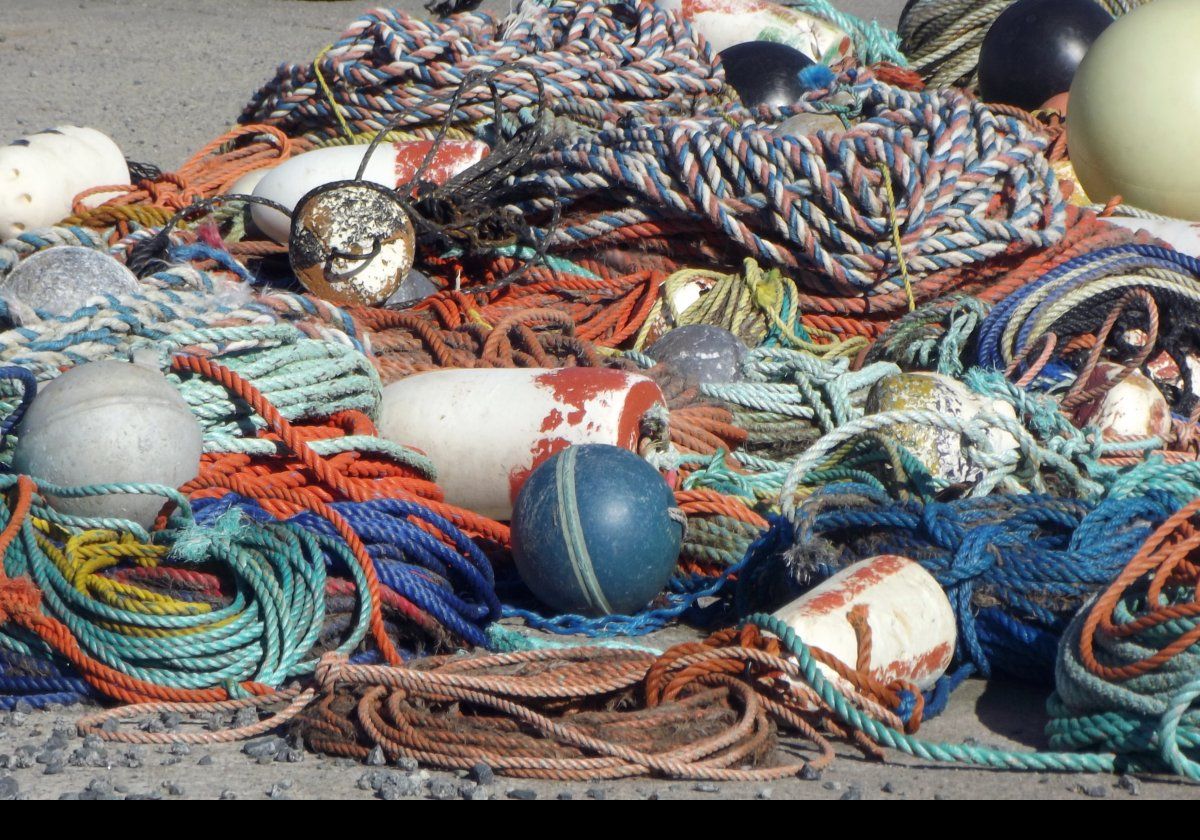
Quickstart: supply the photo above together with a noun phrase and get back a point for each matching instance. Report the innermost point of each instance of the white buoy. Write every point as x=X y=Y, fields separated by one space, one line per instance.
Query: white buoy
x=1133 y=408
x=940 y=449
x=391 y=165
x=912 y=624
x=41 y=174
x=487 y=429
x=1180 y=234
x=59 y=280
x=724 y=23
x=109 y=422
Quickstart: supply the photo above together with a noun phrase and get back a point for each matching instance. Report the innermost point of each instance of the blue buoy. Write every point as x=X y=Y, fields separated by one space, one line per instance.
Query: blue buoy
x=595 y=531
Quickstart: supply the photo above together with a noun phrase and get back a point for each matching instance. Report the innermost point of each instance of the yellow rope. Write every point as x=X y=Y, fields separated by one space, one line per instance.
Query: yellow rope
x=333 y=103
x=893 y=217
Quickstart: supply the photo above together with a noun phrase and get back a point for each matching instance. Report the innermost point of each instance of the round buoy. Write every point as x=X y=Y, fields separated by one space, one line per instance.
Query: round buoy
x=109 y=422
x=764 y=73
x=1034 y=48
x=595 y=531
x=1135 y=111
x=701 y=353
x=351 y=242
x=62 y=279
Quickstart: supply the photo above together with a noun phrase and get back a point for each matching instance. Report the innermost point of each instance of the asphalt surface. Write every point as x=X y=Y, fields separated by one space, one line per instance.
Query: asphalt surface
x=165 y=77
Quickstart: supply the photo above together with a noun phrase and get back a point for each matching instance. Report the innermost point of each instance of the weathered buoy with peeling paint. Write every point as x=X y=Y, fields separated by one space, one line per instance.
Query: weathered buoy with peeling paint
x=910 y=619
x=391 y=165
x=486 y=430
x=938 y=448
x=40 y=175
x=109 y=422
x=724 y=23
x=595 y=531
x=1133 y=408
x=1180 y=234
x=60 y=280
x=352 y=242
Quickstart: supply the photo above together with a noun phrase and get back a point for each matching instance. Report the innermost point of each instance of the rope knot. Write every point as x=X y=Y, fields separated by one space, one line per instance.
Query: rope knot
x=329 y=668
x=18 y=596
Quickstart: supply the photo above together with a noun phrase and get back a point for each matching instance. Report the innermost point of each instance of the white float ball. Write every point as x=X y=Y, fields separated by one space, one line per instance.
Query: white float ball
x=110 y=423
x=1134 y=116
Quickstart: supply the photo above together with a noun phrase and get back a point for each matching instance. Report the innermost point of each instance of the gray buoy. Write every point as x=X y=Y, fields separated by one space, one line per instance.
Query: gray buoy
x=62 y=279
x=701 y=352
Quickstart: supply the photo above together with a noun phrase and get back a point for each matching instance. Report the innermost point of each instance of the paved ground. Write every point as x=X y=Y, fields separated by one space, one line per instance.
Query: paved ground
x=165 y=76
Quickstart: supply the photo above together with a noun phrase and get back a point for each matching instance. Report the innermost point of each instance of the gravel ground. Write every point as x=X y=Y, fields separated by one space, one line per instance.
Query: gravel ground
x=163 y=78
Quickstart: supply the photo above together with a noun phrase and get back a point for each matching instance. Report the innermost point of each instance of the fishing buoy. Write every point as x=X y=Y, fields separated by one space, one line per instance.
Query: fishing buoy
x=910 y=619
x=724 y=23
x=595 y=531
x=40 y=175
x=1135 y=111
x=1034 y=48
x=109 y=422
x=352 y=243
x=59 y=280
x=810 y=122
x=701 y=353
x=938 y=448
x=1180 y=234
x=486 y=430
x=1133 y=408
x=764 y=73
x=391 y=165
x=415 y=288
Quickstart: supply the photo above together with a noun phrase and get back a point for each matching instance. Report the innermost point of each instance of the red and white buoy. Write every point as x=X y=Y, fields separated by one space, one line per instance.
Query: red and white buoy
x=487 y=429
x=391 y=165
x=724 y=23
x=1133 y=408
x=911 y=621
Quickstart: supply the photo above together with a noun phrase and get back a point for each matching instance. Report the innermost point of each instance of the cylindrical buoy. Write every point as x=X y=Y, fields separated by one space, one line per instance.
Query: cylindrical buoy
x=391 y=165
x=486 y=430
x=910 y=619
x=40 y=175
x=725 y=23
x=109 y=422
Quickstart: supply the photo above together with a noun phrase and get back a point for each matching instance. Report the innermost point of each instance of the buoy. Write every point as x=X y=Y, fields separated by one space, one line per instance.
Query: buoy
x=59 y=280
x=40 y=175
x=109 y=422
x=595 y=531
x=414 y=288
x=1033 y=49
x=724 y=23
x=764 y=73
x=910 y=619
x=391 y=165
x=1135 y=111
x=352 y=242
x=701 y=353
x=486 y=430
x=1133 y=408
x=938 y=448
x=1180 y=234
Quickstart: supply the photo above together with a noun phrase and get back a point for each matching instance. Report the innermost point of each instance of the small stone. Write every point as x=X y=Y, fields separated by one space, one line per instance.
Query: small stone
x=54 y=768
x=9 y=789
x=523 y=794
x=1094 y=791
x=1130 y=784
x=264 y=747
x=23 y=707
x=764 y=793
x=245 y=717
x=852 y=793
x=476 y=793
x=482 y=774
x=888 y=787
x=834 y=786
x=443 y=791
x=706 y=787
x=810 y=774
x=181 y=749
x=564 y=796
x=376 y=757
x=597 y=794
x=399 y=787
x=279 y=790
x=227 y=795
x=408 y=765
x=174 y=788
x=205 y=761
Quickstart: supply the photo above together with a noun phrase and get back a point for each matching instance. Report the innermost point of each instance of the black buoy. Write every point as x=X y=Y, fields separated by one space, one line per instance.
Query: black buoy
x=1033 y=49
x=764 y=73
